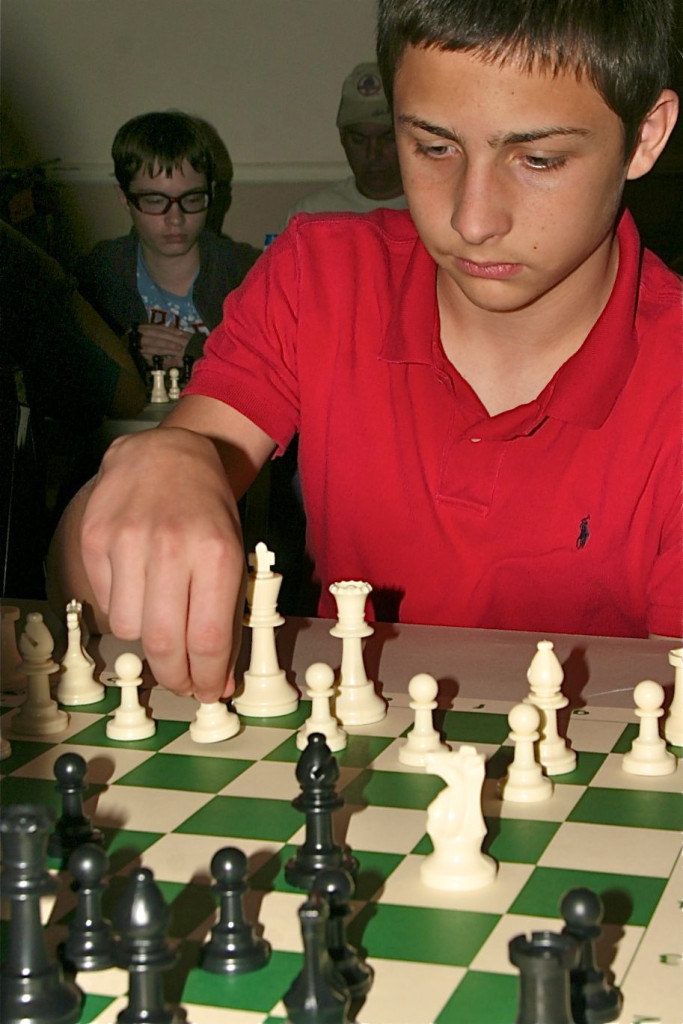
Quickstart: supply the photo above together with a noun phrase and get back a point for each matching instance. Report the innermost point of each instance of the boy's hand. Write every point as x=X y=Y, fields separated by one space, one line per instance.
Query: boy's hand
x=158 y=340
x=162 y=549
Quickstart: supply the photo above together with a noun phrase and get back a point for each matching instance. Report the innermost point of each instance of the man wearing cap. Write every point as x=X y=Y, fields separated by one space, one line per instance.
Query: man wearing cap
x=366 y=132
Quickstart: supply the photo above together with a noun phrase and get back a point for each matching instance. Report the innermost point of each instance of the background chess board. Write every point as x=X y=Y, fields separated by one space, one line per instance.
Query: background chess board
x=439 y=958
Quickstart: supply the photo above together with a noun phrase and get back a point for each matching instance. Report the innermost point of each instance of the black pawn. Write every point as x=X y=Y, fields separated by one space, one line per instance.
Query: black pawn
x=90 y=943
x=316 y=995
x=234 y=947
x=593 y=1000
x=336 y=885
x=317 y=772
x=73 y=828
x=33 y=989
x=544 y=963
x=141 y=919
x=157 y=362
x=188 y=363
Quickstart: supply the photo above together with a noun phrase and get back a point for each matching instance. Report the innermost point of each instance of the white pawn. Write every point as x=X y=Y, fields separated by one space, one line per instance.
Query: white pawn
x=357 y=701
x=456 y=826
x=545 y=677
x=648 y=754
x=159 y=393
x=213 y=723
x=174 y=386
x=39 y=714
x=320 y=682
x=130 y=721
x=525 y=781
x=423 y=738
x=673 y=723
x=77 y=684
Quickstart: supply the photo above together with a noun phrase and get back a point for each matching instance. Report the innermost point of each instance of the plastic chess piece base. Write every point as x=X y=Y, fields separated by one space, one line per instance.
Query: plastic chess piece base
x=521 y=787
x=451 y=875
x=135 y=729
x=360 y=705
x=558 y=761
x=266 y=697
x=638 y=761
x=48 y=998
x=91 y=693
x=41 y=720
x=214 y=723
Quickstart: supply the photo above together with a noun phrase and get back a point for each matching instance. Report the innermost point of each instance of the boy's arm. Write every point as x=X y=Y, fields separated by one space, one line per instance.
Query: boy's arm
x=154 y=545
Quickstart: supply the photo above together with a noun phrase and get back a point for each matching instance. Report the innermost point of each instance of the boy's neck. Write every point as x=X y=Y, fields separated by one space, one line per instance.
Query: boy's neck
x=174 y=274
x=509 y=357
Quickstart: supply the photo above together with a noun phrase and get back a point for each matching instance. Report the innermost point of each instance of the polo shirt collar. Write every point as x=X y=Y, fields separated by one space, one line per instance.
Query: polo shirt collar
x=584 y=389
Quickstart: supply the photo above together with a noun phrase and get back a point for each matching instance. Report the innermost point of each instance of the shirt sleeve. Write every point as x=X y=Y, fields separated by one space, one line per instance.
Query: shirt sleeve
x=665 y=596
x=250 y=359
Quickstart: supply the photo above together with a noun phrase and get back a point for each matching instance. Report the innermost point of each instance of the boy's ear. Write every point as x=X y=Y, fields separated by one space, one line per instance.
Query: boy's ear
x=654 y=134
x=122 y=198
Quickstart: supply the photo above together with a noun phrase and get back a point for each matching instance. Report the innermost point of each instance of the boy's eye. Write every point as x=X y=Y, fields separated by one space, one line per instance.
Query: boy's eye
x=152 y=202
x=545 y=163
x=436 y=151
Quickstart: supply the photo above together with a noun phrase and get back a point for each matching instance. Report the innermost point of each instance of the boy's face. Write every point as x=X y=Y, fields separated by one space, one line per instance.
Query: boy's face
x=173 y=233
x=513 y=180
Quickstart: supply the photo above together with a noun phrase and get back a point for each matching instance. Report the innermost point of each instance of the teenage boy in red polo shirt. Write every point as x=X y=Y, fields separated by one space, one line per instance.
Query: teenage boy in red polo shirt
x=487 y=395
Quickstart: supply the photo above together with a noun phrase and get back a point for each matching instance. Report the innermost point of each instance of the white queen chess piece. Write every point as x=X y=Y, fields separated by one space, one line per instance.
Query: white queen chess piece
x=77 y=684
x=357 y=702
x=267 y=693
x=648 y=754
x=423 y=738
x=39 y=714
x=130 y=722
x=545 y=677
x=455 y=824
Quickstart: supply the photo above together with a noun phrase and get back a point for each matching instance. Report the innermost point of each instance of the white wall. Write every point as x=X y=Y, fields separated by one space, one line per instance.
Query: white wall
x=266 y=73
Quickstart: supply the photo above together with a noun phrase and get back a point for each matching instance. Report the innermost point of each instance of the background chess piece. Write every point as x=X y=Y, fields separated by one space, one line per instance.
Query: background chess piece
x=39 y=714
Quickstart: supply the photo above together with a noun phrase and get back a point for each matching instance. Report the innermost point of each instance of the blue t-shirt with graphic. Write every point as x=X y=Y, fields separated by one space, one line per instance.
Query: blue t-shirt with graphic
x=166 y=308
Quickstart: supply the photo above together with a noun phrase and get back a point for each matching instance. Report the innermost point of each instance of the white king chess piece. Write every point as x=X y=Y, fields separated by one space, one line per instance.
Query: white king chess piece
x=267 y=693
x=77 y=684
x=357 y=701
x=455 y=824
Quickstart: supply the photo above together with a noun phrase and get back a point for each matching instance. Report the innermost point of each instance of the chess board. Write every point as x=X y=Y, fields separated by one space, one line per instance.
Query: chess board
x=438 y=958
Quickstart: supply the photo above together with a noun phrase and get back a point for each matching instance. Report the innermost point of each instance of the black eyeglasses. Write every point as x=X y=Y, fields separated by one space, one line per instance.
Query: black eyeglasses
x=158 y=203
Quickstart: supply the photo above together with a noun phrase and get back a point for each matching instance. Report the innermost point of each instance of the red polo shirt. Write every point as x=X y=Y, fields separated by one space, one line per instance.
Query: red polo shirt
x=561 y=515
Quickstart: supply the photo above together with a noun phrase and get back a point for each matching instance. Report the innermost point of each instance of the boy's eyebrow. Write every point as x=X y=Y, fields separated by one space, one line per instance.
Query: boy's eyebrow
x=510 y=139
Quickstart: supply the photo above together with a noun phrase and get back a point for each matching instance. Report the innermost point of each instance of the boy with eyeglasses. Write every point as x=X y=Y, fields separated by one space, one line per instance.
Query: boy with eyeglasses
x=167 y=278
x=487 y=390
